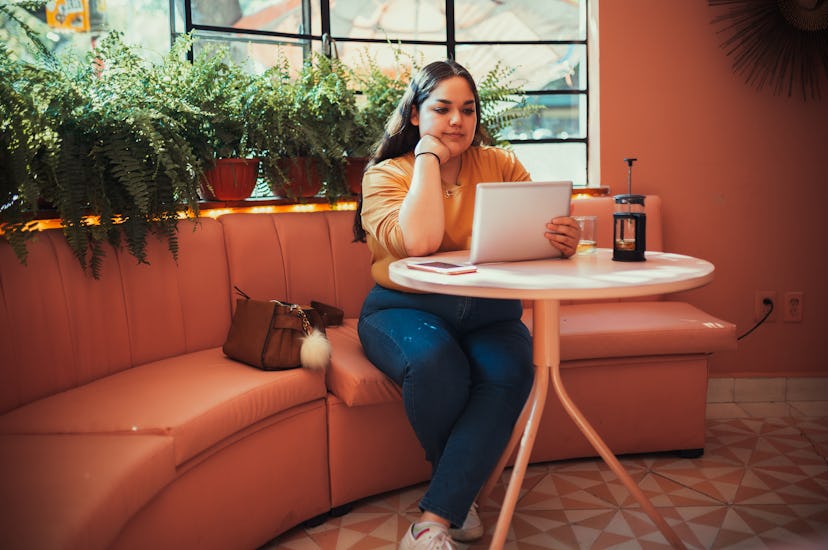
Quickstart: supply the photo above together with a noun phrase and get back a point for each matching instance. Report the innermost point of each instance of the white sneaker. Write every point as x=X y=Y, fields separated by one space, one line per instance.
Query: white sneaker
x=430 y=536
x=472 y=528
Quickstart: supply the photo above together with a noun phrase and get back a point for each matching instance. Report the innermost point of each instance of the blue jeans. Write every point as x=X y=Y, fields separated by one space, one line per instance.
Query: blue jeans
x=465 y=369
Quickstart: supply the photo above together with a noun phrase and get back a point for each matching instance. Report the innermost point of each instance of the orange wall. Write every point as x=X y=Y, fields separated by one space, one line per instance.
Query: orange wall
x=743 y=174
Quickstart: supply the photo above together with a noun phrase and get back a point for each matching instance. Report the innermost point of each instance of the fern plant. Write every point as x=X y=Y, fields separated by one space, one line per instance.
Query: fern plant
x=304 y=116
x=326 y=104
x=380 y=91
x=28 y=140
x=502 y=101
x=216 y=91
x=96 y=140
x=274 y=131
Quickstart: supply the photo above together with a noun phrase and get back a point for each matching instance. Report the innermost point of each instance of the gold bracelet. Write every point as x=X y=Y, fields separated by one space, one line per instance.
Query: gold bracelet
x=429 y=153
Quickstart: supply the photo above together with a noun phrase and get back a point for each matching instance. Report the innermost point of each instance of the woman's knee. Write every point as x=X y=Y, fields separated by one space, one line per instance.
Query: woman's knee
x=515 y=379
x=503 y=357
x=441 y=366
x=413 y=346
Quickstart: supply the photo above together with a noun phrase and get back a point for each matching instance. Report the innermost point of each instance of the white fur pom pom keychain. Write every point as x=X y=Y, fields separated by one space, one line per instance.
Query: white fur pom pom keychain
x=315 y=352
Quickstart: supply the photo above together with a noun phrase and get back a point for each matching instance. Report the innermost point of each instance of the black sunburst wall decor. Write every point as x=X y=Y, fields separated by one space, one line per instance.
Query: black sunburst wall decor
x=782 y=44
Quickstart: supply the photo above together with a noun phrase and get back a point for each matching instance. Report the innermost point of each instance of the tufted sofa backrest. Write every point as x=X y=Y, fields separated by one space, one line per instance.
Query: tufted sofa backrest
x=298 y=257
x=61 y=328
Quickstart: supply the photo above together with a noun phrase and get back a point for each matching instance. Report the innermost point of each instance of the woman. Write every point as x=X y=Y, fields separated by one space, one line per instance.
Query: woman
x=464 y=364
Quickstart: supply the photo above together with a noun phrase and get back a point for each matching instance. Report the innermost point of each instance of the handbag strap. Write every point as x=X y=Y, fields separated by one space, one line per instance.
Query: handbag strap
x=299 y=312
x=293 y=308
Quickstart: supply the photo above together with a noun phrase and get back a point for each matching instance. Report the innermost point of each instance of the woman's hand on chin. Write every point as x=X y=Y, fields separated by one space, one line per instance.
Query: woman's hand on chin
x=432 y=144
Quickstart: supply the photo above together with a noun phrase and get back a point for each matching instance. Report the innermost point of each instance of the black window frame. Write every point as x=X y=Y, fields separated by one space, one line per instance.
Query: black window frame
x=324 y=39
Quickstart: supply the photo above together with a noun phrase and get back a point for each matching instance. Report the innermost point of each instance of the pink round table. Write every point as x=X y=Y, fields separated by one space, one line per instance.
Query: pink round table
x=546 y=283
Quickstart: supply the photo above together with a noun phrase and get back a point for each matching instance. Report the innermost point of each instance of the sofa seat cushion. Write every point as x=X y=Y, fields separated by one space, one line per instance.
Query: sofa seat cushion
x=198 y=398
x=77 y=491
x=629 y=329
x=351 y=376
x=588 y=331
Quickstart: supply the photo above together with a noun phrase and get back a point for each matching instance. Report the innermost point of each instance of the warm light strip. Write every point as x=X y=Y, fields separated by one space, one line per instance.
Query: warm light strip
x=41 y=225
x=588 y=192
x=274 y=208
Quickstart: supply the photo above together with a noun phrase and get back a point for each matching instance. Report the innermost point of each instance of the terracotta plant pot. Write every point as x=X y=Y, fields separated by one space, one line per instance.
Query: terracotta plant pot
x=230 y=179
x=303 y=178
x=354 y=168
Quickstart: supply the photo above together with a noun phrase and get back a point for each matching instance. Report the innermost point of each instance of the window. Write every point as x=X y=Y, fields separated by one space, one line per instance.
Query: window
x=545 y=42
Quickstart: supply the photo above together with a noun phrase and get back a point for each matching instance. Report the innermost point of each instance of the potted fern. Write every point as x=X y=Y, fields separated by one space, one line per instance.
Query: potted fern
x=29 y=147
x=301 y=126
x=274 y=130
x=211 y=94
x=95 y=140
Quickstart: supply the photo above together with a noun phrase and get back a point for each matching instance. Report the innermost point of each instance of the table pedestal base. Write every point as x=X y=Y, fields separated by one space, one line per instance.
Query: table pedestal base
x=546 y=352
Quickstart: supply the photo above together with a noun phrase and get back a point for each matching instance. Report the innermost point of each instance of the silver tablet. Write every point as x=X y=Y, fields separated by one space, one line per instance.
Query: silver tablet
x=510 y=219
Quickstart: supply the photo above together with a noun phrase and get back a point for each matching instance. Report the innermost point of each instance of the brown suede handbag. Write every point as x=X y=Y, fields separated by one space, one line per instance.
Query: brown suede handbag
x=273 y=335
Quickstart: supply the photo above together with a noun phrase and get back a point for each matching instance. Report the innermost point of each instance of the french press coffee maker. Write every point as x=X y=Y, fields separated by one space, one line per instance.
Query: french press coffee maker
x=629 y=223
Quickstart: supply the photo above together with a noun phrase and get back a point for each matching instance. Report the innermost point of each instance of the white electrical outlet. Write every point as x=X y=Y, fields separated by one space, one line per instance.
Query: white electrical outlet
x=792 y=307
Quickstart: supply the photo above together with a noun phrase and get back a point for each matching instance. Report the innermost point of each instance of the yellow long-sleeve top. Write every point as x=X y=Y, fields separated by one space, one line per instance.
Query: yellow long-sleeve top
x=386 y=184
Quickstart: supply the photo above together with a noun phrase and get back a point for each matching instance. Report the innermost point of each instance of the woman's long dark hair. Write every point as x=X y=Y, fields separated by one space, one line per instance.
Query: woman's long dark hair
x=401 y=136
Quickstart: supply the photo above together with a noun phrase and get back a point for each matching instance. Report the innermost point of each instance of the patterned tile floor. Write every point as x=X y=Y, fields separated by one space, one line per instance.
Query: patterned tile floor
x=762 y=483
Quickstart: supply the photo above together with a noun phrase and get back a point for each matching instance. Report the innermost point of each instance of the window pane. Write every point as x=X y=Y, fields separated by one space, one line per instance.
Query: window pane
x=392 y=59
x=178 y=19
x=145 y=24
x=554 y=161
x=263 y=15
x=219 y=13
x=557 y=117
x=519 y=20
x=537 y=67
x=389 y=20
x=253 y=54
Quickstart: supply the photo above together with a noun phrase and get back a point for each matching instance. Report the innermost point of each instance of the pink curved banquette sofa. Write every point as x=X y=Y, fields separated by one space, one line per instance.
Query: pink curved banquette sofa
x=122 y=424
